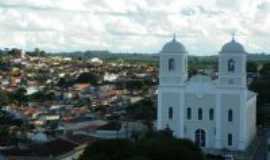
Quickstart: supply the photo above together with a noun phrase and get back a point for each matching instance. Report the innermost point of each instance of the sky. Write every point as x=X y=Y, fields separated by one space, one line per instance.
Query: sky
x=203 y=26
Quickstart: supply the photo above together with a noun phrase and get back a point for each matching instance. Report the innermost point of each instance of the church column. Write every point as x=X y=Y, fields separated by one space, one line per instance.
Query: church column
x=243 y=122
x=218 y=138
x=159 y=113
x=182 y=115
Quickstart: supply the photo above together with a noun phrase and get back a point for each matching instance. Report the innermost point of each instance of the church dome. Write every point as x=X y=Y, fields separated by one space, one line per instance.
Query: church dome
x=173 y=47
x=233 y=47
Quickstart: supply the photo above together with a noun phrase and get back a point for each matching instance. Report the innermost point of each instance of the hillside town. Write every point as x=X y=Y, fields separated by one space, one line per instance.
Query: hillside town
x=53 y=106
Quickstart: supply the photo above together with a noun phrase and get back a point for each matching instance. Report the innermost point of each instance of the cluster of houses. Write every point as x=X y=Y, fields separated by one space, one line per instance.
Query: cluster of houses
x=65 y=111
x=66 y=104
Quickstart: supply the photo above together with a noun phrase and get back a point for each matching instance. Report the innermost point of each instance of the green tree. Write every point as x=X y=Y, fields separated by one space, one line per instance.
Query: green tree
x=109 y=150
x=88 y=77
x=143 y=110
x=41 y=96
x=19 y=96
x=161 y=147
x=153 y=148
x=4 y=98
x=252 y=67
x=265 y=71
x=262 y=88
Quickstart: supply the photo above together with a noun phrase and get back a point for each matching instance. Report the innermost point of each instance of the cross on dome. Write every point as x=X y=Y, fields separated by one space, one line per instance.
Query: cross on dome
x=174 y=37
x=233 y=36
x=233 y=46
x=173 y=46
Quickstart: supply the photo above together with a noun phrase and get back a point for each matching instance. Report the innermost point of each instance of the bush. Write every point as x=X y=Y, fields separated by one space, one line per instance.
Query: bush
x=154 y=148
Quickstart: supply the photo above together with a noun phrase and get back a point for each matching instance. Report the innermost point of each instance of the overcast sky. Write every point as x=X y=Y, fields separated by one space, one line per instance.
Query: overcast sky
x=203 y=26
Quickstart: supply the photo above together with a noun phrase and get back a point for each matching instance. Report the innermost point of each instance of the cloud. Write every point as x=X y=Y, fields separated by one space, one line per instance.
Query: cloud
x=135 y=26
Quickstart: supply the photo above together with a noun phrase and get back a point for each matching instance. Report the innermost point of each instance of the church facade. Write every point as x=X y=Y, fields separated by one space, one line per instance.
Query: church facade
x=214 y=113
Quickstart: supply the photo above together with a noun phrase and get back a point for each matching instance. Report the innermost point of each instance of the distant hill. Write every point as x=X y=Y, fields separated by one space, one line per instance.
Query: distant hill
x=259 y=57
x=108 y=55
x=148 y=57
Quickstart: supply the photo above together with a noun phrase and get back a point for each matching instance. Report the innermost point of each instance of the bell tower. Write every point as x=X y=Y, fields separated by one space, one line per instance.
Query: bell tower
x=172 y=78
x=232 y=65
x=173 y=63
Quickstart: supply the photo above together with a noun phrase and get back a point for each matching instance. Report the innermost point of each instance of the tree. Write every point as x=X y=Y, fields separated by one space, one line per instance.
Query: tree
x=87 y=77
x=161 y=147
x=41 y=96
x=19 y=96
x=4 y=98
x=37 y=53
x=157 y=147
x=265 y=71
x=143 y=110
x=64 y=82
x=109 y=150
x=252 y=67
x=262 y=88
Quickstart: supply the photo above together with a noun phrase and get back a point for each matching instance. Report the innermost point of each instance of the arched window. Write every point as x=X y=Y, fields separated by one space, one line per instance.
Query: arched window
x=231 y=65
x=170 y=113
x=171 y=64
x=200 y=114
x=189 y=113
x=230 y=115
x=229 y=139
x=211 y=114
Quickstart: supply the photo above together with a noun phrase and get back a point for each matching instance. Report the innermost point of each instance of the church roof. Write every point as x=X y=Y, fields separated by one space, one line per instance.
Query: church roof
x=233 y=47
x=173 y=47
x=199 y=78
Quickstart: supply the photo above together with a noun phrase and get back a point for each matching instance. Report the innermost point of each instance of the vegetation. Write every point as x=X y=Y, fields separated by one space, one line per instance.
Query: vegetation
x=265 y=71
x=157 y=147
x=252 y=67
x=87 y=77
x=143 y=110
x=41 y=96
x=19 y=96
x=7 y=119
x=262 y=87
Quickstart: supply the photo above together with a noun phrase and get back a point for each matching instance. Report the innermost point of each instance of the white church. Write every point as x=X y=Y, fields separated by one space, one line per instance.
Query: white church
x=214 y=113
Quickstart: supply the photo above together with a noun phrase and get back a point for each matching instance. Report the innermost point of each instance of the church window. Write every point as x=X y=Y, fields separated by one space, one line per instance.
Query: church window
x=200 y=137
x=231 y=65
x=200 y=114
x=230 y=115
x=171 y=64
x=189 y=113
x=170 y=113
x=211 y=114
x=229 y=139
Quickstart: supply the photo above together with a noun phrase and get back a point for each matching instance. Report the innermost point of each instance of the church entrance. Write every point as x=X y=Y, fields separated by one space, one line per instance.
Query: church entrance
x=200 y=137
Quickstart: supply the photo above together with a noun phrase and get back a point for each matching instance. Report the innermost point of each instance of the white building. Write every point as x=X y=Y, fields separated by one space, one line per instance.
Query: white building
x=215 y=114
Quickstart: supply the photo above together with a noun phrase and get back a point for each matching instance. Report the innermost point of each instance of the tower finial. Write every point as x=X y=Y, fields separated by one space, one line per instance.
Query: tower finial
x=174 y=37
x=233 y=36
